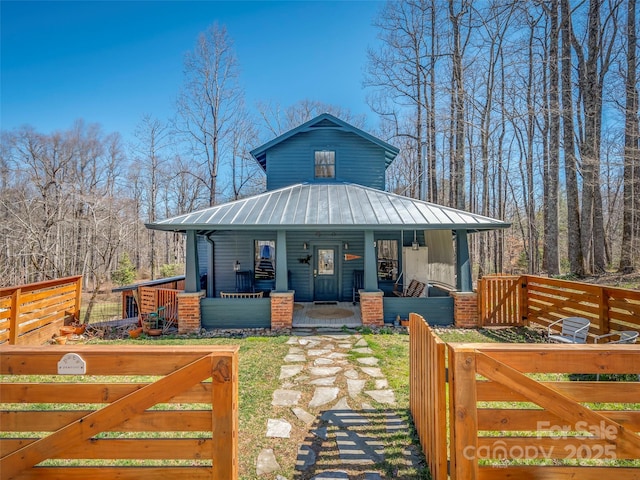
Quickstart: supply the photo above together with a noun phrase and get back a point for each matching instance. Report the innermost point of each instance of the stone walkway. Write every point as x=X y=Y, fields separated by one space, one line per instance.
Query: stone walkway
x=329 y=394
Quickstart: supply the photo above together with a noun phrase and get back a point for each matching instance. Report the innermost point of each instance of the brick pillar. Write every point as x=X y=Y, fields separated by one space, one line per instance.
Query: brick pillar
x=371 y=308
x=281 y=310
x=465 y=309
x=189 y=312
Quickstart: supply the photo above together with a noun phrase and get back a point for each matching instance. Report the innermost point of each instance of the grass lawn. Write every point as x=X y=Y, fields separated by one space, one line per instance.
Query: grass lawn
x=260 y=362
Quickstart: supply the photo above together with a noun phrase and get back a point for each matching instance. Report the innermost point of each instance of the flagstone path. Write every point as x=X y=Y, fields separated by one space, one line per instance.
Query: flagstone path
x=341 y=429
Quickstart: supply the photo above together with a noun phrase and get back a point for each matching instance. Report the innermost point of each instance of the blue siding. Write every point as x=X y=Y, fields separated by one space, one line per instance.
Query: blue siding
x=357 y=160
x=235 y=313
x=436 y=311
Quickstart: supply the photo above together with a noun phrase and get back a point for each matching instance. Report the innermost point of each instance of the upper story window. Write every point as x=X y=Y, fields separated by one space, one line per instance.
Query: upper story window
x=325 y=164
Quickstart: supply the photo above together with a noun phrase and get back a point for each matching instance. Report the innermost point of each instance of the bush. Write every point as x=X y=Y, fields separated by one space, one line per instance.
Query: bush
x=125 y=273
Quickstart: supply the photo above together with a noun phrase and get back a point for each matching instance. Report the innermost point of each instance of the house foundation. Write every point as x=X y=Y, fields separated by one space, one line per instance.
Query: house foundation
x=465 y=309
x=189 y=320
x=371 y=308
x=282 y=310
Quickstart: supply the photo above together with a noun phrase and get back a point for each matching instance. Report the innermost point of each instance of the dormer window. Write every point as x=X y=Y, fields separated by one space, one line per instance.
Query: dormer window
x=325 y=164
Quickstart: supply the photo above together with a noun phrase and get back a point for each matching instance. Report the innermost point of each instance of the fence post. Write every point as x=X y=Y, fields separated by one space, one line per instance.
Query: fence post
x=463 y=413
x=13 y=318
x=224 y=392
x=482 y=310
x=603 y=311
x=523 y=300
x=76 y=313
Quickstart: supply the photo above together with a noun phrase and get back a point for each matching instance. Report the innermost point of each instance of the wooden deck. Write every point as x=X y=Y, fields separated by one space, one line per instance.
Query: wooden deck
x=318 y=315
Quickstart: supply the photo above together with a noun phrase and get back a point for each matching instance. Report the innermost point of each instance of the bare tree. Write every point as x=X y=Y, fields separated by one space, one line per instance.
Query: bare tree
x=153 y=138
x=631 y=195
x=207 y=106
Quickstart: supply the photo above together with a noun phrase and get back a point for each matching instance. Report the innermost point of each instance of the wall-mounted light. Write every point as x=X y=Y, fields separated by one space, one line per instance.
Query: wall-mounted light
x=305 y=246
x=346 y=246
x=236 y=266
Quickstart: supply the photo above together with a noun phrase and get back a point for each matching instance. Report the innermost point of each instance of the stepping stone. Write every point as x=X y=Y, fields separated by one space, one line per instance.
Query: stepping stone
x=382 y=384
x=411 y=458
x=367 y=408
x=339 y=475
x=292 y=341
x=316 y=352
x=321 y=362
x=295 y=350
x=286 y=398
x=362 y=350
x=362 y=343
x=278 y=428
x=306 y=458
x=288 y=371
x=266 y=462
x=346 y=346
x=371 y=361
x=295 y=357
x=372 y=476
x=394 y=423
x=323 y=395
x=324 y=381
x=373 y=372
x=382 y=396
x=321 y=433
x=338 y=355
x=337 y=336
x=324 y=371
x=351 y=374
x=354 y=387
x=342 y=415
x=303 y=415
x=355 y=449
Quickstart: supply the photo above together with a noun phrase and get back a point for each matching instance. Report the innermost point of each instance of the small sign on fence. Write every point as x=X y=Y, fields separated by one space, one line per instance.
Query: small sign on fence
x=72 y=364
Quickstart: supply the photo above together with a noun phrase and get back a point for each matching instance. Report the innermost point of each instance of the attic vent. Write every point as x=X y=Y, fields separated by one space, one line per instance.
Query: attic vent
x=326 y=123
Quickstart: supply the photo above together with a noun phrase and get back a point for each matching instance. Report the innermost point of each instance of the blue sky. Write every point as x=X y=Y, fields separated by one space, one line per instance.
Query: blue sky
x=111 y=62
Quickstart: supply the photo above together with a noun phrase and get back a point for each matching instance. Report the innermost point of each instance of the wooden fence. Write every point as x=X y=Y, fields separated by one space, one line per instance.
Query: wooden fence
x=130 y=293
x=506 y=423
x=519 y=300
x=75 y=412
x=519 y=410
x=151 y=298
x=31 y=314
x=427 y=400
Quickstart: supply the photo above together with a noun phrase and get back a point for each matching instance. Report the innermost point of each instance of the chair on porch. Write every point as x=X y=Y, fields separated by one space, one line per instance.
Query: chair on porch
x=244 y=281
x=358 y=284
x=574 y=330
x=624 y=336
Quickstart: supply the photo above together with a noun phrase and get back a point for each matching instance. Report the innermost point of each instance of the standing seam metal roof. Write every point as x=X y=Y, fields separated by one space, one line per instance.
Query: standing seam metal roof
x=341 y=206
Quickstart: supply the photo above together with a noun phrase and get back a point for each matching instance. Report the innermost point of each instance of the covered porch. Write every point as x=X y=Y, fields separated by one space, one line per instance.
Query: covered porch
x=326 y=243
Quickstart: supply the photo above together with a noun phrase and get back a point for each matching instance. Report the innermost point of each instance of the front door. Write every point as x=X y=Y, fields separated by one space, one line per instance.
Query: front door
x=325 y=274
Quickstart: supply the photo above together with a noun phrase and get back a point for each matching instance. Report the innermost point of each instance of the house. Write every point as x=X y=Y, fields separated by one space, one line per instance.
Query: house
x=324 y=220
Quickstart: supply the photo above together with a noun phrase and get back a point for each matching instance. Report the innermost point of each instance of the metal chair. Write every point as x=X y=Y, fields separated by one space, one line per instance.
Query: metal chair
x=574 y=330
x=624 y=336
x=244 y=281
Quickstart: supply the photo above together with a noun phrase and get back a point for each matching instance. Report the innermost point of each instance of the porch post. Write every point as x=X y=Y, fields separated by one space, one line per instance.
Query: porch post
x=370 y=267
x=281 y=262
x=463 y=264
x=192 y=267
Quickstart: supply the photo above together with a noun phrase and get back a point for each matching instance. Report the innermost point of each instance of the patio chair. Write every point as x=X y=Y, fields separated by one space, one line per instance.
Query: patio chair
x=574 y=330
x=358 y=284
x=244 y=281
x=624 y=336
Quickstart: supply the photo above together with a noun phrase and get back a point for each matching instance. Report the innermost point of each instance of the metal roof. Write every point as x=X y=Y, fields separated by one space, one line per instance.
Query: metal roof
x=338 y=206
x=323 y=121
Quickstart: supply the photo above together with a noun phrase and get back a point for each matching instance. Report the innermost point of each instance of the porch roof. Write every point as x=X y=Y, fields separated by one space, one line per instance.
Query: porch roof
x=338 y=206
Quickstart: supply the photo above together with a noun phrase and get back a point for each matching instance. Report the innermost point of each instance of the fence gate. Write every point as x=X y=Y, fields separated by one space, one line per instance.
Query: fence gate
x=500 y=300
x=126 y=412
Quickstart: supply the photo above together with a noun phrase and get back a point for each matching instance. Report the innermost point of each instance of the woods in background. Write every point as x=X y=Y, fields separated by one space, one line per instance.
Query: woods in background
x=525 y=111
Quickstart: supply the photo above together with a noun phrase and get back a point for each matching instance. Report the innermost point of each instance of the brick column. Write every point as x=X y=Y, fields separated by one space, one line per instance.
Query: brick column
x=371 y=308
x=189 y=312
x=281 y=310
x=465 y=309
